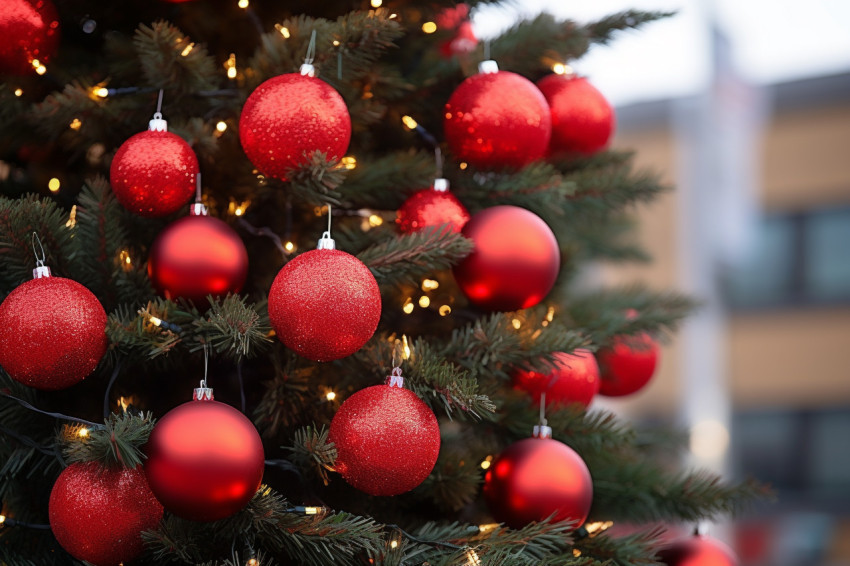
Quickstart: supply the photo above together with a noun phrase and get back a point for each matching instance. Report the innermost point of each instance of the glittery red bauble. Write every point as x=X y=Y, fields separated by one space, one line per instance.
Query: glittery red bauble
x=575 y=379
x=98 y=514
x=582 y=120
x=290 y=116
x=154 y=173
x=197 y=256
x=430 y=207
x=534 y=478
x=515 y=261
x=324 y=305
x=205 y=461
x=387 y=440
x=627 y=365
x=497 y=120
x=52 y=333
x=30 y=30
x=698 y=550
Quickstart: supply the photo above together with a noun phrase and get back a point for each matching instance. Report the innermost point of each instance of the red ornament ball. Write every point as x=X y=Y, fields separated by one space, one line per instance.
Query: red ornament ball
x=582 y=119
x=197 y=256
x=52 y=333
x=205 y=460
x=574 y=380
x=98 y=514
x=534 y=478
x=30 y=31
x=463 y=42
x=154 y=173
x=290 y=116
x=324 y=305
x=515 y=261
x=430 y=207
x=497 y=120
x=387 y=440
x=627 y=364
x=698 y=550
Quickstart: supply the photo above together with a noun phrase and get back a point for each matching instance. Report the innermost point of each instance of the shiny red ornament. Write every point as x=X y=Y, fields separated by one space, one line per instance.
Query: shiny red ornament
x=497 y=119
x=52 y=333
x=464 y=41
x=574 y=380
x=154 y=173
x=387 y=440
x=30 y=31
x=324 y=304
x=289 y=117
x=98 y=514
x=582 y=119
x=431 y=207
x=197 y=256
x=205 y=460
x=534 y=478
x=698 y=550
x=515 y=261
x=627 y=364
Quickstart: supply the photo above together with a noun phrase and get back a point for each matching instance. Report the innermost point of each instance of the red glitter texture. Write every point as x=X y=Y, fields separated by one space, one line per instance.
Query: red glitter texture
x=627 y=365
x=582 y=119
x=205 y=461
x=289 y=117
x=497 y=120
x=52 y=333
x=198 y=256
x=698 y=550
x=30 y=30
x=427 y=208
x=98 y=514
x=154 y=173
x=324 y=305
x=387 y=440
x=515 y=262
x=575 y=379
x=534 y=478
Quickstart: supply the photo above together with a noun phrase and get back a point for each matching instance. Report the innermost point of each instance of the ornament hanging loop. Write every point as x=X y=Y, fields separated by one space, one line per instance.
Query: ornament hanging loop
x=541 y=430
x=395 y=379
x=307 y=69
x=158 y=124
x=204 y=393
x=41 y=271
x=326 y=242
x=198 y=208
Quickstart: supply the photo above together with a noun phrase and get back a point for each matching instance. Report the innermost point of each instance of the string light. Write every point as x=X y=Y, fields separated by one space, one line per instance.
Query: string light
x=243 y=4
x=488 y=527
x=576 y=552
x=377 y=3
x=429 y=27
x=472 y=558
x=336 y=43
x=405 y=348
x=349 y=162
x=53 y=185
x=2 y=520
x=230 y=65
x=375 y=220
x=155 y=320
x=424 y=301
x=284 y=31
x=83 y=432
x=312 y=510
x=517 y=323
x=463 y=165
x=597 y=527
x=72 y=218
x=561 y=69
x=75 y=124
x=125 y=260
x=39 y=68
x=221 y=126
x=101 y=91
x=445 y=310
x=485 y=464
x=429 y=284
x=252 y=562
x=124 y=403
x=19 y=91
x=408 y=307
x=550 y=315
x=409 y=122
x=188 y=49
x=394 y=544
x=330 y=396
x=289 y=247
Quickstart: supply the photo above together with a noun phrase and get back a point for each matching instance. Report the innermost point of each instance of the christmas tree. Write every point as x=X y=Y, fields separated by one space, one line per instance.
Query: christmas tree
x=375 y=281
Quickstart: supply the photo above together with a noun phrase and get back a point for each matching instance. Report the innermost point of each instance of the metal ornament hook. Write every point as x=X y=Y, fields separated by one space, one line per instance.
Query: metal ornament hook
x=326 y=242
x=204 y=393
x=395 y=379
x=307 y=69
x=41 y=271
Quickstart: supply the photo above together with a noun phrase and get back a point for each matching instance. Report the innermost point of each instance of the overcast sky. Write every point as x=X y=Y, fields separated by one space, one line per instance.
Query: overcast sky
x=773 y=40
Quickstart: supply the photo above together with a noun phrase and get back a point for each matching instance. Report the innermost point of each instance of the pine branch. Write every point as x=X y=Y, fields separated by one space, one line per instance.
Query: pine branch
x=317 y=181
x=311 y=449
x=604 y=29
x=160 y=50
x=639 y=548
x=402 y=171
x=411 y=256
x=119 y=442
x=454 y=483
x=134 y=333
x=285 y=399
x=234 y=328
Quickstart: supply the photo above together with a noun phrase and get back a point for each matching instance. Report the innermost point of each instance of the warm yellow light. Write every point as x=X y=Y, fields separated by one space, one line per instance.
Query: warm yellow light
x=284 y=31
x=488 y=527
x=188 y=49
x=598 y=527
x=336 y=43
x=243 y=4
x=53 y=184
x=377 y=3
x=486 y=462
x=230 y=65
x=349 y=162
x=424 y=301
x=429 y=27
x=517 y=323
x=252 y=562
x=393 y=16
x=409 y=122
x=221 y=126
x=375 y=220
x=289 y=247
x=156 y=321
x=472 y=558
x=408 y=306
x=231 y=73
x=75 y=124
x=405 y=348
x=36 y=63
x=2 y=519
x=72 y=218
x=429 y=284
x=550 y=314
x=561 y=69
x=445 y=310
x=331 y=396
x=18 y=92
x=238 y=211
x=463 y=165
x=102 y=92
x=394 y=544
x=123 y=403
x=83 y=432
x=312 y=510
x=124 y=258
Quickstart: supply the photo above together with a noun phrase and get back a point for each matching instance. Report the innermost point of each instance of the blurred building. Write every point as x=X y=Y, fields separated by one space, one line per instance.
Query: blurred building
x=775 y=268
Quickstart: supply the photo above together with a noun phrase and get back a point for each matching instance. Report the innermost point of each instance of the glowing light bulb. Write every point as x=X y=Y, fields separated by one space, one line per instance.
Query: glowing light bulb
x=486 y=462
x=312 y=510
x=445 y=310
x=424 y=301
x=156 y=321
x=53 y=185
x=102 y=92
x=409 y=122
x=284 y=31
x=349 y=162
x=230 y=66
x=72 y=218
x=463 y=165
x=75 y=124
x=289 y=247
x=408 y=306
x=252 y=562
x=375 y=220
x=330 y=396
x=18 y=92
x=377 y=3
x=242 y=4
x=429 y=27
x=394 y=544
x=221 y=126
x=517 y=323
x=83 y=432
x=429 y=284
x=188 y=49
x=2 y=519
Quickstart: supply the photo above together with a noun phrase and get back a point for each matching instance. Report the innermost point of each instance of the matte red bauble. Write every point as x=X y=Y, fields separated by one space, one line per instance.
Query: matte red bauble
x=30 y=31
x=431 y=207
x=515 y=261
x=574 y=380
x=496 y=120
x=627 y=365
x=582 y=119
x=535 y=478
x=154 y=173
x=324 y=304
x=197 y=256
x=289 y=117
x=698 y=550
x=52 y=333
x=387 y=440
x=205 y=459
x=98 y=514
